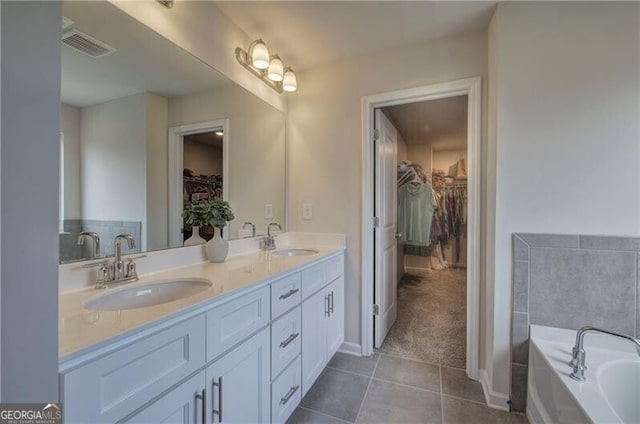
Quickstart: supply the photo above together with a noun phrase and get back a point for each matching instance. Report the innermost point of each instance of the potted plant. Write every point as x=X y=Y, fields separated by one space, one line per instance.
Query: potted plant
x=197 y=215
x=217 y=213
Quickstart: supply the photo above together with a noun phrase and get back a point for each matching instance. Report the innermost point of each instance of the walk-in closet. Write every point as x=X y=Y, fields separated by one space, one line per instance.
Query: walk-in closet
x=432 y=208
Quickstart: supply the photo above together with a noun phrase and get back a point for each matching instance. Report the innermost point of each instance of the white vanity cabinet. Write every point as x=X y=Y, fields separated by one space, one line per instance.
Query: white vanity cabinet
x=183 y=405
x=322 y=329
x=248 y=359
x=238 y=383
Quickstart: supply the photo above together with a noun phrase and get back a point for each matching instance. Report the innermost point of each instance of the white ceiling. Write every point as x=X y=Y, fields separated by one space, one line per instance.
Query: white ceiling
x=310 y=33
x=143 y=62
x=210 y=138
x=441 y=123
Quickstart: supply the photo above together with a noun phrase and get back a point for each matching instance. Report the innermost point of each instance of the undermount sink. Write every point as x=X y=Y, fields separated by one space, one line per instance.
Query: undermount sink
x=149 y=294
x=294 y=252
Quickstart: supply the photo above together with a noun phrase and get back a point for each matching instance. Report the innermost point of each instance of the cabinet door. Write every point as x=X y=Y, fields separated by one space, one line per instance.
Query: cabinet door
x=182 y=405
x=314 y=338
x=238 y=388
x=335 y=321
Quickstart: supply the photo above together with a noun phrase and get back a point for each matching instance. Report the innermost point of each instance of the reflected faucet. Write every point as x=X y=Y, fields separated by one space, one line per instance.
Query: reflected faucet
x=579 y=355
x=253 y=228
x=95 y=238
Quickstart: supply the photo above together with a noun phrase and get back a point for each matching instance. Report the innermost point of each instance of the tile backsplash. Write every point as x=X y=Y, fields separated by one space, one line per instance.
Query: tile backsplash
x=569 y=281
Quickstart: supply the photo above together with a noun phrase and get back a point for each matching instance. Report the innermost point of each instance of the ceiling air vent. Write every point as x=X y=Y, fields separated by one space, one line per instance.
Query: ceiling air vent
x=86 y=44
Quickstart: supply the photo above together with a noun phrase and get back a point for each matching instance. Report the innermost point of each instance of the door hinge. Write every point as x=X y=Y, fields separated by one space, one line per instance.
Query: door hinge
x=376 y=135
x=376 y=222
x=376 y=310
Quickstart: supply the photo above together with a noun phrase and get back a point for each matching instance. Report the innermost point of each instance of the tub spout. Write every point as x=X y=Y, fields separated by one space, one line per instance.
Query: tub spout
x=579 y=354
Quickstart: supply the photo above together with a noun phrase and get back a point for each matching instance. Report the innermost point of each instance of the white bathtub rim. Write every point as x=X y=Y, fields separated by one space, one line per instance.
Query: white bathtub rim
x=555 y=344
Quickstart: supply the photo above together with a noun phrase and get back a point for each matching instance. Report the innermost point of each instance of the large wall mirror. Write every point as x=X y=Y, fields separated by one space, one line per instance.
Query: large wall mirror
x=147 y=128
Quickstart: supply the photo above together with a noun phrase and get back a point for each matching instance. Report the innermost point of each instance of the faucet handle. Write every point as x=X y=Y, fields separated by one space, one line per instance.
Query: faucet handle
x=131 y=269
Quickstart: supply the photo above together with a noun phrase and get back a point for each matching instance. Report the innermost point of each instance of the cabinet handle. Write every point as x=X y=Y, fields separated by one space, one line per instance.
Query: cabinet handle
x=331 y=302
x=203 y=397
x=289 y=340
x=289 y=293
x=289 y=394
x=218 y=412
x=326 y=305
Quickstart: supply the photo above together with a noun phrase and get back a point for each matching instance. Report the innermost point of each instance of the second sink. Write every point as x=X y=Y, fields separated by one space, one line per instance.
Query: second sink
x=294 y=252
x=150 y=294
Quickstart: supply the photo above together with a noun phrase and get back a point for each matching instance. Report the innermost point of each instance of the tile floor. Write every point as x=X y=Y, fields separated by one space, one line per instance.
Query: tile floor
x=389 y=389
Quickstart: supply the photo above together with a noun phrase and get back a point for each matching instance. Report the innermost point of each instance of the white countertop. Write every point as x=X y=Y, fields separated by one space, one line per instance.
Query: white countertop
x=82 y=330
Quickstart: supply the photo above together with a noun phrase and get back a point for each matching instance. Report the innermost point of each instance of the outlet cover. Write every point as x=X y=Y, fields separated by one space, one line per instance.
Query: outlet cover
x=268 y=211
x=307 y=211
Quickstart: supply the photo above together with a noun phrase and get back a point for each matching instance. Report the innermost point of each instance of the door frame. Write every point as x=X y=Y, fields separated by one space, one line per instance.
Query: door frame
x=176 y=165
x=472 y=88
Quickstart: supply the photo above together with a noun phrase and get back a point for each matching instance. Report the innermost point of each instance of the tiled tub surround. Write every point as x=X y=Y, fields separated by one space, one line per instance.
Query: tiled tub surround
x=82 y=330
x=568 y=281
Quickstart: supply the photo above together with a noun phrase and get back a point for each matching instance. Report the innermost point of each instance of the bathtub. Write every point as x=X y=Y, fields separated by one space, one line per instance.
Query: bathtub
x=611 y=393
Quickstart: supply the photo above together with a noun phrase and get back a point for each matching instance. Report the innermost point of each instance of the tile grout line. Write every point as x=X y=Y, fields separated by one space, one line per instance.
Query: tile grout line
x=419 y=360
x=366 y=392
x=323 y=414
x=422 y=389
x=350 y=372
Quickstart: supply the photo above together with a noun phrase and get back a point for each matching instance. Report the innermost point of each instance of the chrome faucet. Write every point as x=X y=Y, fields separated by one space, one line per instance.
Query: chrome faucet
x=116 y=272
x=579 y=354
x=95 y=238
x=253 y=228
x=268 y=242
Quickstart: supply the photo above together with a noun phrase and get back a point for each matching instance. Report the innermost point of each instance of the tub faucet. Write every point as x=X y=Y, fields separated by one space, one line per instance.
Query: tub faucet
x=579 y=354
x=94 y=237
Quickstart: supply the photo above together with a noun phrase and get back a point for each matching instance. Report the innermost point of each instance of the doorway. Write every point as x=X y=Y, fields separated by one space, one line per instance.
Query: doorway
x=381 y=270
x=198 y=170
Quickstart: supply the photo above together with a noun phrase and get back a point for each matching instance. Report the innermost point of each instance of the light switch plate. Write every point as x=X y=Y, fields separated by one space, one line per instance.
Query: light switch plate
x=307 y=211
x=268 y=211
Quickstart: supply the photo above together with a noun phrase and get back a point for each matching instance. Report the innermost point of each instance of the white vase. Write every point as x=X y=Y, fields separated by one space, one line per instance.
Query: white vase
x=217 y=247
x=195 y=238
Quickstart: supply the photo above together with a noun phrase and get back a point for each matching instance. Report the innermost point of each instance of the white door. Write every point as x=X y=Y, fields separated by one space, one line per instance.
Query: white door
x=385 y=241
x=239 y=383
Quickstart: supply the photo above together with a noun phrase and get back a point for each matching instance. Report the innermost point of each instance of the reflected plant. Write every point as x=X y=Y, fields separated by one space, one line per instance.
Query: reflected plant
x=215 y=212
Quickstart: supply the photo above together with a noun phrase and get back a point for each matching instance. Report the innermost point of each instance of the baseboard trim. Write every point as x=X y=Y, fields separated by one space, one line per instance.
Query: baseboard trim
x=351 y=348
x=494 y=400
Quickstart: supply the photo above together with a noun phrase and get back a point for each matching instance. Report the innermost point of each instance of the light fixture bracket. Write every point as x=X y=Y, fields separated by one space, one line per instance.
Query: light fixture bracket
x=166 y=3
x=243 y=57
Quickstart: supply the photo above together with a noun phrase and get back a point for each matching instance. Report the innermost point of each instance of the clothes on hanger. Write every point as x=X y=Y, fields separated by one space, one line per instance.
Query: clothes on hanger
x=416 y=206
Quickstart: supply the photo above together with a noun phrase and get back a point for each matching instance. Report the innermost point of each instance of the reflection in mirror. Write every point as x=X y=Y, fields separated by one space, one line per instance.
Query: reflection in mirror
x=146 y=128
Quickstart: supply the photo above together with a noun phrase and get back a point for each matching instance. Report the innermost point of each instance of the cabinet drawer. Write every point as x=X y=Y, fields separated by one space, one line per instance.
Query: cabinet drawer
x=285 y=294
x=334 y=267
x=112 y=387
x=286 y=336
x=313 y=279
x=286 y=393
x=236 y=320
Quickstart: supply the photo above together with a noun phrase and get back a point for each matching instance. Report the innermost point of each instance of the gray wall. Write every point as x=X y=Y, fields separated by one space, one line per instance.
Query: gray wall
x=29 y=174
x=569 y=281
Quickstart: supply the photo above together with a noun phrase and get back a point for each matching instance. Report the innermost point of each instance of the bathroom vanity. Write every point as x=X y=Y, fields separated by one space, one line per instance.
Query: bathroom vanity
x=245 y=349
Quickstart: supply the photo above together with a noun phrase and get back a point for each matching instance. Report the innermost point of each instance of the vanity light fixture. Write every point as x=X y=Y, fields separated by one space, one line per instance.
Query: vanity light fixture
x=219 y=133
x=269 y=68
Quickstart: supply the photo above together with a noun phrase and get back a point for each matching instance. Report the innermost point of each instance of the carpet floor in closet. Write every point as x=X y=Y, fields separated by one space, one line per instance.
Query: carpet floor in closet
x=432 y=314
